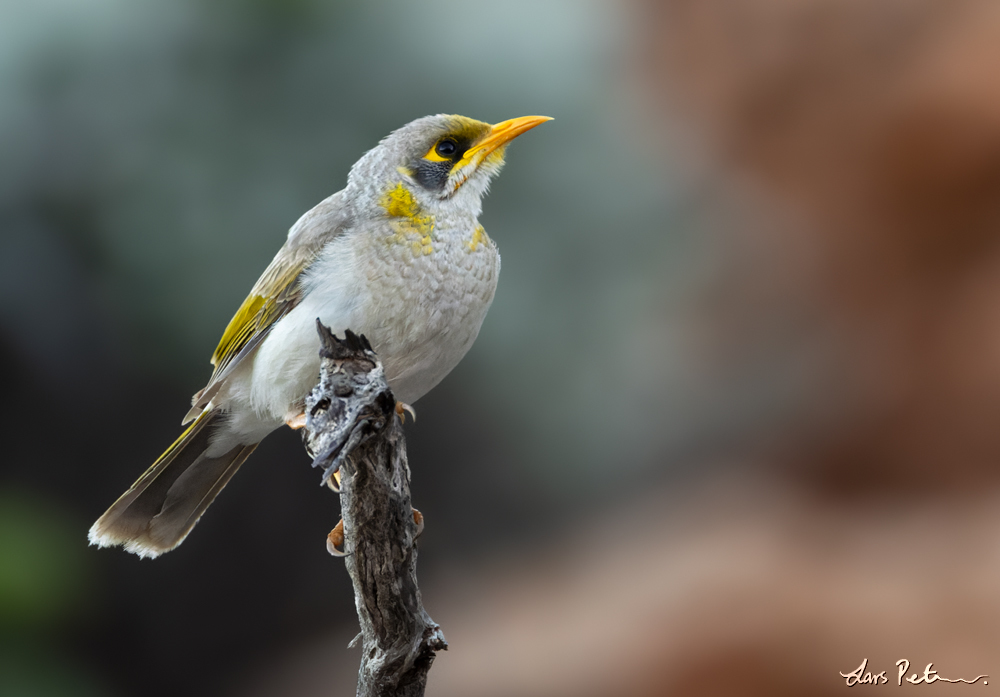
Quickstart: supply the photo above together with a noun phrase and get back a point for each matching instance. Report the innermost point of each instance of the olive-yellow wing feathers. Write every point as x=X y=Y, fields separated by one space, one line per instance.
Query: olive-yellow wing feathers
x=276 y=292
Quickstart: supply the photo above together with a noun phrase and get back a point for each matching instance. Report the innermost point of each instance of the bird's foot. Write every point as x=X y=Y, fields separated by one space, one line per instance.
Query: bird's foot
x=295 y=421
x=418 y=518
x=335 y=541
x=333 y=481
x=402 y=409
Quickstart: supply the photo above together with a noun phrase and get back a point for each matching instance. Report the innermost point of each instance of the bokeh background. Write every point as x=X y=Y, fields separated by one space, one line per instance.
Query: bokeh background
x=732 y=424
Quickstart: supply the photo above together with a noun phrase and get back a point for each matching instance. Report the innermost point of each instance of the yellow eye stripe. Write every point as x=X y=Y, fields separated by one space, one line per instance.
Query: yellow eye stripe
x=481 y=144
x=432 y=155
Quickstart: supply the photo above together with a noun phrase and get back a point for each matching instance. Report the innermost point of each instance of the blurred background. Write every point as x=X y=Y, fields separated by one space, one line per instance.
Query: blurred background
x=730 y=426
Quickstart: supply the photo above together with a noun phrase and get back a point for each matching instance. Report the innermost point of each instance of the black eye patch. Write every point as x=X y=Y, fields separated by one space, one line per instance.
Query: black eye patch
x=432 y=170
x=432 y=175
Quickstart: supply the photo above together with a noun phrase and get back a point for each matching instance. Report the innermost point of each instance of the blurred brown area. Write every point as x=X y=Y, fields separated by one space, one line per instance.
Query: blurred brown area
x=877 y=125
x=742 y=589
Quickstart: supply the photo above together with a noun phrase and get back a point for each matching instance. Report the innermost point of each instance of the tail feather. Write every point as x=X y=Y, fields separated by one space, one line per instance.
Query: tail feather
x=159 y=510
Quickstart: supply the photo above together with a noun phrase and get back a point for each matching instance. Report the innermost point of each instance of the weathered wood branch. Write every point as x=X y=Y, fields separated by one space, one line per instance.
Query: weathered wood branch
x=351 y=428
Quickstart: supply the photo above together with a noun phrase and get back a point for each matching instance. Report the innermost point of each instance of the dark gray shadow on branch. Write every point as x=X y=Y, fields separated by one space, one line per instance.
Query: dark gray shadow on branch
x=352 y=432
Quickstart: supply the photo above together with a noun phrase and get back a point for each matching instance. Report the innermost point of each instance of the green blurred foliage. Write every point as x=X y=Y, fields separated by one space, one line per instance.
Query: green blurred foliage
x=44 y=573
x=38 y=672
x=46 y=590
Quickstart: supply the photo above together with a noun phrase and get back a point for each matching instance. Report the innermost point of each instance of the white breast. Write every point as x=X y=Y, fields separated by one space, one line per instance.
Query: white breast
x=426 y=308
x=421 y=309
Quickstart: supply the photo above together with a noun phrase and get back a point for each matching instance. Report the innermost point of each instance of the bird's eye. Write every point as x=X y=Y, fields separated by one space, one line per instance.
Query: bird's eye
x=446 y=147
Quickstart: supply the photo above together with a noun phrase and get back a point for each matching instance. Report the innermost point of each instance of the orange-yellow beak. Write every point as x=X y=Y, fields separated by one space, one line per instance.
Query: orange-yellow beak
x=499 y=135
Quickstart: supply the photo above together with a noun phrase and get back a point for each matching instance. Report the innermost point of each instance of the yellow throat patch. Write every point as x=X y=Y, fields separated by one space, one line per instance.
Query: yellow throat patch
x=411 y=220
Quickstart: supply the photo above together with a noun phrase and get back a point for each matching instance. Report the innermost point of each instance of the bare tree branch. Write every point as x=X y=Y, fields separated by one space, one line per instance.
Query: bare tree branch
x=351 y=429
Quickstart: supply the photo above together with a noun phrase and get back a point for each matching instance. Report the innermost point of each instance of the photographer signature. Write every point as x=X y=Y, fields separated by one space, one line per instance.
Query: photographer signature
x=862 y=676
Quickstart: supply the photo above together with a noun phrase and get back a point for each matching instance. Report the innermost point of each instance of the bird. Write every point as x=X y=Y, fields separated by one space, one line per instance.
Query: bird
x=397 y=255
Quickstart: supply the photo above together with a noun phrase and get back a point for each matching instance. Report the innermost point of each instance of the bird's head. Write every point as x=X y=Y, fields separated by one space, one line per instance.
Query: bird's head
x=445 y=162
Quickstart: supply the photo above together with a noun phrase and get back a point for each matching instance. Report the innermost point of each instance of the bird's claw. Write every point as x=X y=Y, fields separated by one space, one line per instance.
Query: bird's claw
x=296 y=421
x=335 y=541
x=401 y=410
x=418 y=518
x=333 y=480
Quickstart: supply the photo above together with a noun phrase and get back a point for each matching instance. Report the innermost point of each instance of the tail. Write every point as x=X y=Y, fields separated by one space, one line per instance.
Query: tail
x=159 y=510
